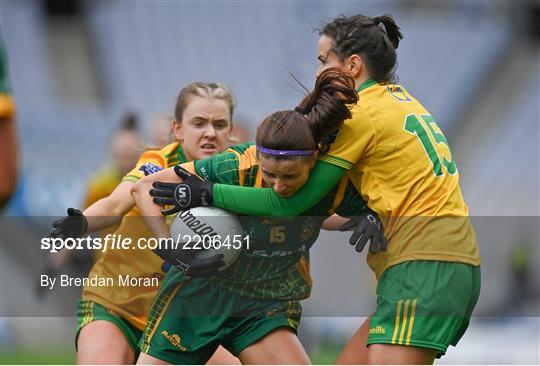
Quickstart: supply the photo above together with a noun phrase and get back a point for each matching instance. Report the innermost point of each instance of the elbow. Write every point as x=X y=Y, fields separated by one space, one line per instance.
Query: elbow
x=137 y=189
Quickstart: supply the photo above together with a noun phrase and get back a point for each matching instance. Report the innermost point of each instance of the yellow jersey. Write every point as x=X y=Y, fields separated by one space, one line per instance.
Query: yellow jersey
x=400 y=162
x=134 y=273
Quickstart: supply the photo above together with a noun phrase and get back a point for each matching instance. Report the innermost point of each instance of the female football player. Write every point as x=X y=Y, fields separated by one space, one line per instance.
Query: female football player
x=111 y=319
x=398 y=158
x=252 y=307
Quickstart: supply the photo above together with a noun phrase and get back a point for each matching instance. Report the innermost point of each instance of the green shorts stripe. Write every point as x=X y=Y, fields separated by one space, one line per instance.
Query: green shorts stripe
x=90 y=311
x=160 y=305
x=424 y=304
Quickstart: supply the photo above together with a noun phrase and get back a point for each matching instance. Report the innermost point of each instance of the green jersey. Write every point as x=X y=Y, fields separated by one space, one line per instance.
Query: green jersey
x=275 y=262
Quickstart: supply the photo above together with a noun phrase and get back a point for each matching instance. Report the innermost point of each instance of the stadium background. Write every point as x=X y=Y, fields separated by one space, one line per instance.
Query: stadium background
x=77 y=66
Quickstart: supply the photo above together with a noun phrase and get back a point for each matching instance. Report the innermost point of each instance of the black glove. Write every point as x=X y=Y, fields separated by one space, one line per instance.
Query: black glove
x=188 y=264
x=74 y=225
x=367 y=228
x=192 y=192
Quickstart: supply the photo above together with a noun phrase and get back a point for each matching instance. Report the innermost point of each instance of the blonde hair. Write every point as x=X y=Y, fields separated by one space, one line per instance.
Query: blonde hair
x=201 y=89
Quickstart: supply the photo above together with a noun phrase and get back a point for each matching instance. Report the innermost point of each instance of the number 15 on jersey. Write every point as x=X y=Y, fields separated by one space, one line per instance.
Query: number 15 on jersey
x=414 y=125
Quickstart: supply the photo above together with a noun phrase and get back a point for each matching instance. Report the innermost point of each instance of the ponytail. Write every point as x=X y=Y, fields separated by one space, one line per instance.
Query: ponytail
x=310 y=126
x=390 y=28
x=327 y=106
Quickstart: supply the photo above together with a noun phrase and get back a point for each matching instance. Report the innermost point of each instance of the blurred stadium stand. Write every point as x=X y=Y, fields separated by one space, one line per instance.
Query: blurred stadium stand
x=143 y=54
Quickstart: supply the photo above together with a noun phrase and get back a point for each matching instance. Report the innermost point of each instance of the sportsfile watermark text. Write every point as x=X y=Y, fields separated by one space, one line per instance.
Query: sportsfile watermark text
x=120 y=242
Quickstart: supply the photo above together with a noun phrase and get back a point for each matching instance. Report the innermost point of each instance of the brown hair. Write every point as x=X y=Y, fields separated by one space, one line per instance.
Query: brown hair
x=320 y=113
x=201 y=89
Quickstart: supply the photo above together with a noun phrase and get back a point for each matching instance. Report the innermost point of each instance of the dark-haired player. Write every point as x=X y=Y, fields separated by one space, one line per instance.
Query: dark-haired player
x=252 y=307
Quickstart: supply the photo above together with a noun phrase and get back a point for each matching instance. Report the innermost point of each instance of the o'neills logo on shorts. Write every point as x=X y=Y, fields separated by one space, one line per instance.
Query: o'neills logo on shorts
x=174 y=339
x=197 y=226
x=377 y=330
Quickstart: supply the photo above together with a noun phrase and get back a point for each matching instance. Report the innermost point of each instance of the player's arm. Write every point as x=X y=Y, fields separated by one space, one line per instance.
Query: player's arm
x=110 y=210
x=165 y=186
x=323 y=177
x=150 y=211
x=100 y=215
x=334 y=222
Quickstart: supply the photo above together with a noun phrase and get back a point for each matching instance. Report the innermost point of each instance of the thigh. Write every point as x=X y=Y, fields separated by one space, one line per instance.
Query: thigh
x=103 y=336
x=145 y=359
x=281 y=346
x=391 y=354
x=223 y=357
x=102 y=342
x=254 y=319
x=355 y=351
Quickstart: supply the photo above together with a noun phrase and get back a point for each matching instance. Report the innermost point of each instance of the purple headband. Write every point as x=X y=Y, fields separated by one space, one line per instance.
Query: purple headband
x=285 y=152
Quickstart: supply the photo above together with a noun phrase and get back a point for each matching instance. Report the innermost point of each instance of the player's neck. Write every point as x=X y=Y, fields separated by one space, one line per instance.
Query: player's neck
x=361 y=79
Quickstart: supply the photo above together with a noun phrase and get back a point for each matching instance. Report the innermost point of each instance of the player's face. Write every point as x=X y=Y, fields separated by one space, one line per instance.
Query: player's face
x=285 y=176
x=327 y=57
x=205 y=128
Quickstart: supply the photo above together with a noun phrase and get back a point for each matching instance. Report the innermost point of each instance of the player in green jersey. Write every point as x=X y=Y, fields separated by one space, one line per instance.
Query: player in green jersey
x=252 y=307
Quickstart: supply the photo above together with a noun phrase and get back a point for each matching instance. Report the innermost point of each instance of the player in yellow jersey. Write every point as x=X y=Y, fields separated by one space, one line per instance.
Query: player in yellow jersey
x=399 y=160
x=112 y=317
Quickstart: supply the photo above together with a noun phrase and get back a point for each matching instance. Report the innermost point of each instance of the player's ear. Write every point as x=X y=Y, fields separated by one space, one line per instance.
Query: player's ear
x=354 y=65
x=314 y=159
x=177 y=130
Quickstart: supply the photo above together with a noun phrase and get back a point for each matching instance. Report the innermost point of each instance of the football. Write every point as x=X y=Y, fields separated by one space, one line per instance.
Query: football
x=209 y=231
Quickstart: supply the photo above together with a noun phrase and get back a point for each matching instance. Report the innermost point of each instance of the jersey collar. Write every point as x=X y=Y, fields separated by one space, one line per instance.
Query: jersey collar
x=366 y=84
x=180 y=154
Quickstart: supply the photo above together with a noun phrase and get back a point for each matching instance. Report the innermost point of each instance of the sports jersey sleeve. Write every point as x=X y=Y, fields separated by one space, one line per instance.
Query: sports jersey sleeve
x=352 y=204
x=221 y=168
x=323 y=177
x=150 y=162
x=355 y=140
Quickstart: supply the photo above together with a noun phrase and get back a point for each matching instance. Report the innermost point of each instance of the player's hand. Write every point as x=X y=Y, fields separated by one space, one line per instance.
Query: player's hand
x=74 y=225
x=367 y=229
x=188 y=264
x=192 y=192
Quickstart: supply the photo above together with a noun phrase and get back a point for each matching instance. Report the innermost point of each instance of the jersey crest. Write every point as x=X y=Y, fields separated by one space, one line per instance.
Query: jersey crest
x=398 y=92
x=150 y=168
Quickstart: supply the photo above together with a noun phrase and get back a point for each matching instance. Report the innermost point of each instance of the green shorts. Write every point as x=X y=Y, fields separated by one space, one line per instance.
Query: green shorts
x=89 y=311
x=191 y=318
x=424 y=304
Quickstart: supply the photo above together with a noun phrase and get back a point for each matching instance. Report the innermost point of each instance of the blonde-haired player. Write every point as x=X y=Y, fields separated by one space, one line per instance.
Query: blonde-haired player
x=111 y=316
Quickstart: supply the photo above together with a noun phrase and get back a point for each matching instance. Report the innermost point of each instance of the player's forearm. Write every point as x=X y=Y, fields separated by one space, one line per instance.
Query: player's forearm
x=334 y=222
x=150 y=212
x=109 y=211
x=323 y=177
